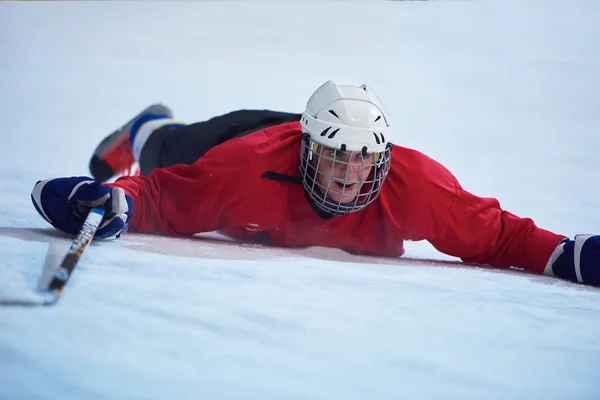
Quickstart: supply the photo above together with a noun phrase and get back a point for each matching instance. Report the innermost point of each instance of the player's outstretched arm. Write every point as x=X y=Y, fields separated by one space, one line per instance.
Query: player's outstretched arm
x=217 y=192
x=477 y=229
x=176 y=201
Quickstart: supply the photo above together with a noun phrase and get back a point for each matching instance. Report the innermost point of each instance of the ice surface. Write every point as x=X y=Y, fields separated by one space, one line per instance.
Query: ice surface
x=505 y=94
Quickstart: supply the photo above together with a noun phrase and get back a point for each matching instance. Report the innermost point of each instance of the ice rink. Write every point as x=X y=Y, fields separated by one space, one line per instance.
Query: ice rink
x=506 y=94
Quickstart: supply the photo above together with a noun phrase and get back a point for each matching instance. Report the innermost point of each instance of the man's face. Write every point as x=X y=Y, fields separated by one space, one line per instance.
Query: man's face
x=343 y=178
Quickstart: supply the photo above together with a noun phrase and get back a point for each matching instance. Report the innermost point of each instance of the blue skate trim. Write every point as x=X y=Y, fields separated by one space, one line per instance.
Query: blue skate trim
x=137 y=124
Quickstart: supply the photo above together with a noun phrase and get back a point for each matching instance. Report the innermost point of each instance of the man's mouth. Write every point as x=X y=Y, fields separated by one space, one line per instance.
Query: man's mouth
x=345 y=186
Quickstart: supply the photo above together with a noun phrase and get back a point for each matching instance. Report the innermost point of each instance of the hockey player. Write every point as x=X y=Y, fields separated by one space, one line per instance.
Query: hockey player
x=327 y=177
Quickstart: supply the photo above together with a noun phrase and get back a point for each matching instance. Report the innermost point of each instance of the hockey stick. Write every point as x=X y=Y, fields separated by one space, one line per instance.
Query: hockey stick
x=64 y=271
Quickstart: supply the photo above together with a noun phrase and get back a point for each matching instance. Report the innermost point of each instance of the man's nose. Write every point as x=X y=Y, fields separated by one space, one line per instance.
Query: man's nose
x=353 y=170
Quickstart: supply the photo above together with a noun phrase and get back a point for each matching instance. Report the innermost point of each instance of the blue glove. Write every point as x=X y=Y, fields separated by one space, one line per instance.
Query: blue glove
x=577 y=260
x=65 y=203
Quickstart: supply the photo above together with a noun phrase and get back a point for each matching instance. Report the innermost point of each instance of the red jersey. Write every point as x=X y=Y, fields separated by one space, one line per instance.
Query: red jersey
x=420 y=200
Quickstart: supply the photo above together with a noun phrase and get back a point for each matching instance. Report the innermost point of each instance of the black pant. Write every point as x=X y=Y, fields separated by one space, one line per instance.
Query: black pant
x=184 y=145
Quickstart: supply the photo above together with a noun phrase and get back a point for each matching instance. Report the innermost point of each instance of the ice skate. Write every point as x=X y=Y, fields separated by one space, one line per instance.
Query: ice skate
x=114 y=156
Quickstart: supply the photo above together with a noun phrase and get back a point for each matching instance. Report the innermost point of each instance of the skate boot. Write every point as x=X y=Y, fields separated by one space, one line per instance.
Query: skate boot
x=114 y=155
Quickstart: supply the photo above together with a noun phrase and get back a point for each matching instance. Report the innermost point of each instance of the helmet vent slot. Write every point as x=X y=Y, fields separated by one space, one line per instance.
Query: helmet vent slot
x=376 y=138
x=332 y=134
x=334 y=114
x=325 y=131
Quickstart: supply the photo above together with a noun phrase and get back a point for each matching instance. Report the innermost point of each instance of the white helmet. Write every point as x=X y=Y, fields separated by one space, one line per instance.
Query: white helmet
x=346 y=128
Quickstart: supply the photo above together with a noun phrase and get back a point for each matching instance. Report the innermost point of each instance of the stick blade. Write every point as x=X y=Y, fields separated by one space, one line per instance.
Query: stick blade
x=60 y=276
x=42 y=299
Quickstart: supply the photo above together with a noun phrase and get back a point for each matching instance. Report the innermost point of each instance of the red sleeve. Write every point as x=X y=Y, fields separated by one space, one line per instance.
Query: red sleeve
x=219 y=191
x=478 y=230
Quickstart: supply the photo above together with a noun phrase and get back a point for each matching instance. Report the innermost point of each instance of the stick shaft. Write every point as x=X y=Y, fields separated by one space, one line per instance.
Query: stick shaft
x=80 y=243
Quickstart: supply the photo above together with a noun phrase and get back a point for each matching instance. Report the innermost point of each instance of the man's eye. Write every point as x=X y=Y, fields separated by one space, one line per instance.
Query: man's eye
x=336 y=153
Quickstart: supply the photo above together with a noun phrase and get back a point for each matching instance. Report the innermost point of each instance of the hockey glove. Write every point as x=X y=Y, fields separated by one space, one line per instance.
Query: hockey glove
x=577 y=260
x=65 y=203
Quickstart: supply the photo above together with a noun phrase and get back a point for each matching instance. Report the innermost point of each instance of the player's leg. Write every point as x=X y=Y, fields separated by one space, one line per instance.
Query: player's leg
x=170 y=145
x=155 y=140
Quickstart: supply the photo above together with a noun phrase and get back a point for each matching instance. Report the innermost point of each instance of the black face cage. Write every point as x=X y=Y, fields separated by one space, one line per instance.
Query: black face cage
x=311 y=155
